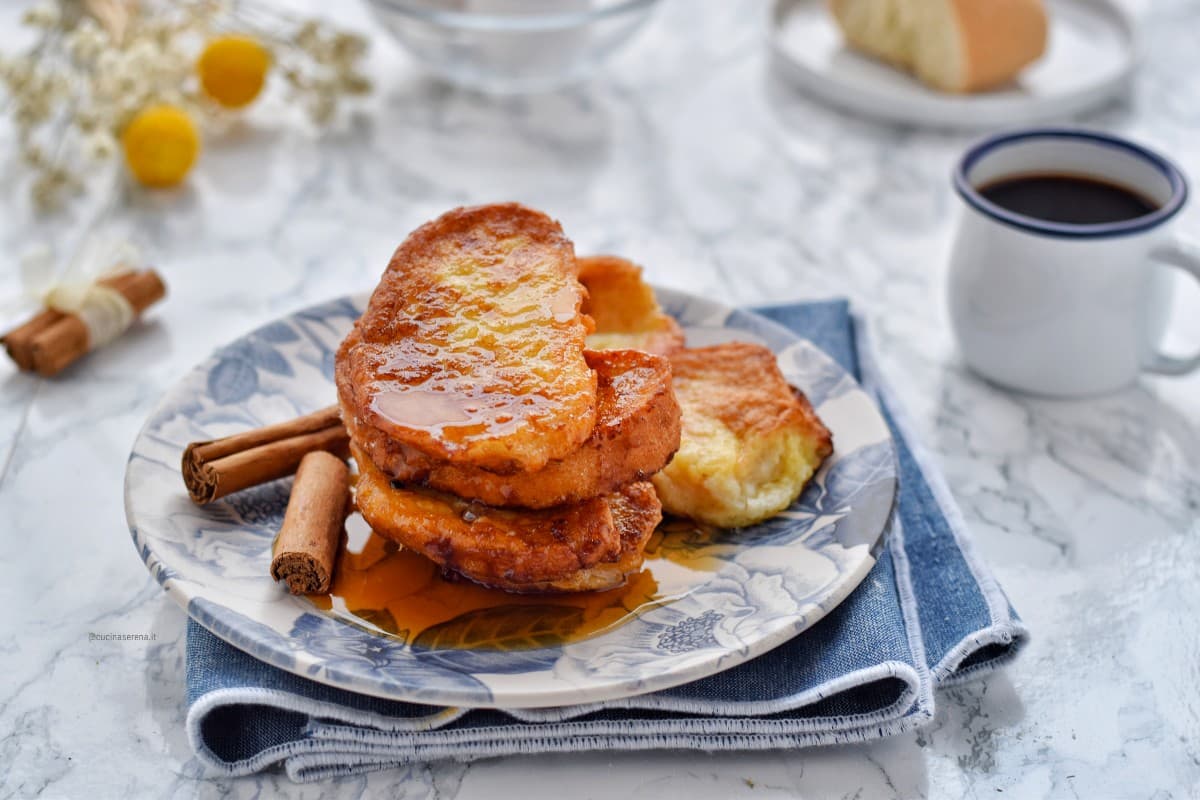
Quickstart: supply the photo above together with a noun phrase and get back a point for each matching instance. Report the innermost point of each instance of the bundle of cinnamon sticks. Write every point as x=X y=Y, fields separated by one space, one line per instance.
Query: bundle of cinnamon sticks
x=52 y=340
x=214 y=469
x=314 y=447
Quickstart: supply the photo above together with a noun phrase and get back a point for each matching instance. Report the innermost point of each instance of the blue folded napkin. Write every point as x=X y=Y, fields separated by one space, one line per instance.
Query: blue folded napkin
x=928 y=615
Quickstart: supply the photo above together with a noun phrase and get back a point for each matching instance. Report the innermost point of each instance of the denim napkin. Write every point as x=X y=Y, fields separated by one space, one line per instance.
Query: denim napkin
x=928 y=615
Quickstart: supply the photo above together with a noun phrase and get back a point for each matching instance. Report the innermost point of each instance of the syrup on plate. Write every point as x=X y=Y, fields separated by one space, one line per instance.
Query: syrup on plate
x=388 y=590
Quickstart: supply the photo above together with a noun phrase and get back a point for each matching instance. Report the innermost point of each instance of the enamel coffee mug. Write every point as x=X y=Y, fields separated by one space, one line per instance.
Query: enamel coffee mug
x=1058 y=279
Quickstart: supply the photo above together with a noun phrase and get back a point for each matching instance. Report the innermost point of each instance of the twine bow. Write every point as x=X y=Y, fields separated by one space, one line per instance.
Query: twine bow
x=104 y=311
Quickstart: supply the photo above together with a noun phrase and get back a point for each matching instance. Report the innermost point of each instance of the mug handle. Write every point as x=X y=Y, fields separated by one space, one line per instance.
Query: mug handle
x=1185 y=256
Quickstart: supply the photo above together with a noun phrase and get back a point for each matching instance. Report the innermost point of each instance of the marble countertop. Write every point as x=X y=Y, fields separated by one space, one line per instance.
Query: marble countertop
x=694 y=158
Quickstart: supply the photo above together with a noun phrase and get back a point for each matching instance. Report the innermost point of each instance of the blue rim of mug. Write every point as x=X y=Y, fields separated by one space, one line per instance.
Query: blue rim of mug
x=972 y=196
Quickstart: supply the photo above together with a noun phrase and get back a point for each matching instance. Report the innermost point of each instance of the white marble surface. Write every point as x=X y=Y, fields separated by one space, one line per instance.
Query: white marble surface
x=691 y=157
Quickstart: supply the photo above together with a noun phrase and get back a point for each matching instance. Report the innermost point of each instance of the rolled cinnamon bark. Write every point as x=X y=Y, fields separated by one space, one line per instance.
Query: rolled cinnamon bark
x=214 y=469
x=66 y=340
x=52 y=340
x=306 y=547
x=19 y=341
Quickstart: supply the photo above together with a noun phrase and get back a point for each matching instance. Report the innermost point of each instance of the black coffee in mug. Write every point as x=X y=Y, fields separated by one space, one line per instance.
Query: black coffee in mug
x=1057 y=282
x=1072 y=199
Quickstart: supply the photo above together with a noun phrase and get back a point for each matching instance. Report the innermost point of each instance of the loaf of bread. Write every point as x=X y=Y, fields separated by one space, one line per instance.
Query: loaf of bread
x=951 y=45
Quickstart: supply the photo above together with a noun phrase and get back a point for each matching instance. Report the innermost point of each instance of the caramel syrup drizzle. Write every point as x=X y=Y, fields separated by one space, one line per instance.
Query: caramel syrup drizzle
x=380 y=586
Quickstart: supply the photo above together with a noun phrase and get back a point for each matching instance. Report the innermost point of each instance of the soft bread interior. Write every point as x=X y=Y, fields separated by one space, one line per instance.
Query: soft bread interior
x=921 y=36
x=722 y=480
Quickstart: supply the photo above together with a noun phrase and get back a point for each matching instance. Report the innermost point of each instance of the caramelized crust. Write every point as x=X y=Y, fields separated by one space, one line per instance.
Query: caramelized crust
x=516 y=550
x=636 y=513
x=487 y=544
x=740 y=385
x=624 y=307
x=750 y=441
x=637 y=431
x=471 y=348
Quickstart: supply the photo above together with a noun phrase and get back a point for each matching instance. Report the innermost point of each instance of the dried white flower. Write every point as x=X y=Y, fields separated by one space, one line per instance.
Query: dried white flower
x=87 y=42
x=43 y=15
x=100 y=146
x=322 y=106
x=107 y=62
x=142 y=55
x=354 y=83
x=34 y=156
x=48 y=189
x=87 y=119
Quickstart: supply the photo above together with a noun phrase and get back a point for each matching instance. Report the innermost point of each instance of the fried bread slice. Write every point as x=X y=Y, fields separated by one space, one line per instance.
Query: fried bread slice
x=517 y=550
x=471 y=348
x=750 y=441
x=636 y=433
x=623 y=305
x=636 y=512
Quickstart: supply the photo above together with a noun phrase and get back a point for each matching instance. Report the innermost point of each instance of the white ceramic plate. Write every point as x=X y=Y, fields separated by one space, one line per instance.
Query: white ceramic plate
x=759 y=586
x=1090 y=58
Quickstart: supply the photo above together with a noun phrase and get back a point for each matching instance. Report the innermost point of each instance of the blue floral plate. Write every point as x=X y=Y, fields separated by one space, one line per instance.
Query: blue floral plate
x=760 y=586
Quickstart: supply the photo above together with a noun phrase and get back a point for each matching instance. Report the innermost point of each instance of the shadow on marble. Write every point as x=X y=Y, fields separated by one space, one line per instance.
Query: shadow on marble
x=1050 y=488
x=16 y=384
x=166 y=688
x=972 y=720
x=151 y=204
x=894 y=768
x=1133 y=447
x=125 y=354
x=131 y=353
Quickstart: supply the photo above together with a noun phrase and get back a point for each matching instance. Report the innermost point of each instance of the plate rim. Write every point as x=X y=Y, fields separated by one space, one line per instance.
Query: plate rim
x=958 y=112
x=560 y=695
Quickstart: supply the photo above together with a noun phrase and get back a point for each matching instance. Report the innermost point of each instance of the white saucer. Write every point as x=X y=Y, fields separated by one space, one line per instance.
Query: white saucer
x=1091 y=57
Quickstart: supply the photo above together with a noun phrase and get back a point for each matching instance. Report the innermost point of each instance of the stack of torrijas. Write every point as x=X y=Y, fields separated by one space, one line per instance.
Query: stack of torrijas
x=487 y=437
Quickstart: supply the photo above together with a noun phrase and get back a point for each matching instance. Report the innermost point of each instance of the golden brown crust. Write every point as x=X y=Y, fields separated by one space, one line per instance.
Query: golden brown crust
x=636 y=512
x=999 y=39
x=624 y=308
x=750 y=441
x=486 y=544
x=740 y=384
x=471 y=348
x=516 y=550
x=637 y=431
x=812 y=425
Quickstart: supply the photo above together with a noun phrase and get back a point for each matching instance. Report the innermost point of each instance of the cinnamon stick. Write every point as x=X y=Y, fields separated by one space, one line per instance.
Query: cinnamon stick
x=214 y=469
x=66 y=340
x=306 y=547
x=19 y=341
x=52 y=340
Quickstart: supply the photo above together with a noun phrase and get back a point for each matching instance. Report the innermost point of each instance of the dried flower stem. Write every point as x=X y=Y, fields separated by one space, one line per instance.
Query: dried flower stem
x=96 y=63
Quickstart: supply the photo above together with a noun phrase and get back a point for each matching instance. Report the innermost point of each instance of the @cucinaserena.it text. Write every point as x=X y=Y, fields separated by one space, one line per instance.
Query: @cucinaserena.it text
x=122 y=637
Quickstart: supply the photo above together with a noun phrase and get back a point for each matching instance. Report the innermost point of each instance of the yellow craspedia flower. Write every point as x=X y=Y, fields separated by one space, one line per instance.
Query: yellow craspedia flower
x=160 y=145
x=233 y=69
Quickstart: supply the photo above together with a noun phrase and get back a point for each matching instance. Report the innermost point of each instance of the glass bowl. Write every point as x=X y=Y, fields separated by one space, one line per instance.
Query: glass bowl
x=512 y=46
